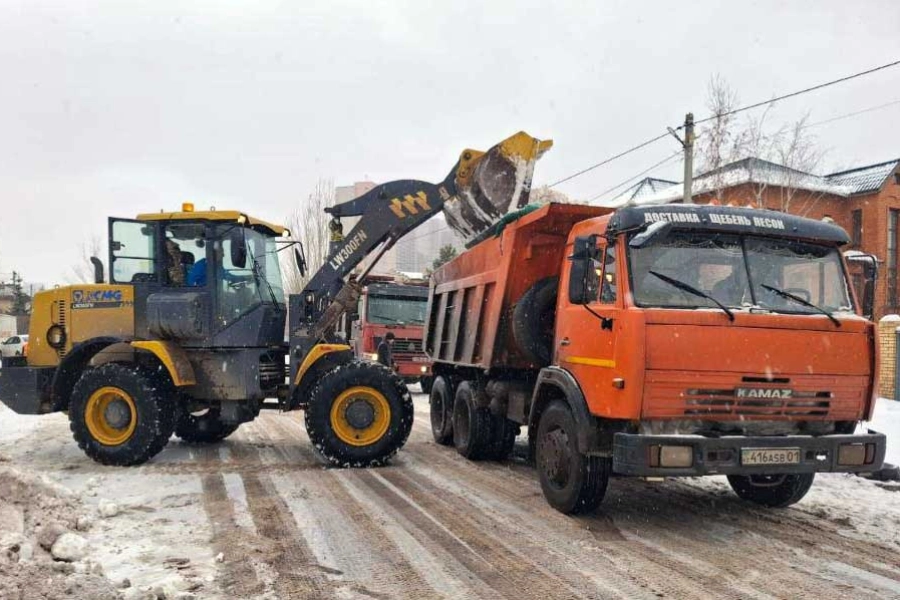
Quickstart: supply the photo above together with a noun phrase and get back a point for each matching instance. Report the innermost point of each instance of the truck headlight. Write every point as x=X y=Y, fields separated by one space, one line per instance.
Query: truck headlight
x=423 y=369
x=56 y=336
x=372 y=356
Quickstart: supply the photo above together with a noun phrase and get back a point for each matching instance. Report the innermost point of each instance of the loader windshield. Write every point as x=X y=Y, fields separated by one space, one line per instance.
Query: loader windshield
x=739 y=271
x=242 y=288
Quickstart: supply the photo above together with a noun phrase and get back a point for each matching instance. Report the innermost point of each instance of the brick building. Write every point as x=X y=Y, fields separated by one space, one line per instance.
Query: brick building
x=864 y=201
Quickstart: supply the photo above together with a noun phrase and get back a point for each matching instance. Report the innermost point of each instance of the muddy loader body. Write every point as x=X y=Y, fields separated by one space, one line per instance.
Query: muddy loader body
x=187 y=333
x=656 y=342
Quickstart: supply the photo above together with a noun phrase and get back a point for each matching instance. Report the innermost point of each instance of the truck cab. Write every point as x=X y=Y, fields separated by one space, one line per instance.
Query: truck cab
x=400 y=309
x=659 y=341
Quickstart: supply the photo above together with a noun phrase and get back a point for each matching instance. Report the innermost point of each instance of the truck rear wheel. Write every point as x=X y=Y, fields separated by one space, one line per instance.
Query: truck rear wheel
x=121 y=414
x=360 y=414
x=773 y=491
x=472 y=427
x=504 y=440
x=533 y=319
x=205 y=428
x=441 y=403
x=572 y=482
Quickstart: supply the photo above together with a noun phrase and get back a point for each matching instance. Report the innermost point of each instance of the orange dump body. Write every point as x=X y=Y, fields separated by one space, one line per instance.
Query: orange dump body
x=472 y=296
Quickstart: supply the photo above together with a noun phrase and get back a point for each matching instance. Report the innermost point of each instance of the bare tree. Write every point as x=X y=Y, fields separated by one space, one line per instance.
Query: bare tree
x=799 y=152
x=83 y=270
x=309 y=224
x=717 y=139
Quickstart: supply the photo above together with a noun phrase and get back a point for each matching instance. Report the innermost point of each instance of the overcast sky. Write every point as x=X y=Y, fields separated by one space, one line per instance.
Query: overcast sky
x=110 y=108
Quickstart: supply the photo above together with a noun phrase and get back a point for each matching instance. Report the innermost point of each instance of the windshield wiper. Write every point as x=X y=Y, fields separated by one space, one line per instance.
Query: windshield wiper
x=692 y=290
x=260 y=279
x=800 y=300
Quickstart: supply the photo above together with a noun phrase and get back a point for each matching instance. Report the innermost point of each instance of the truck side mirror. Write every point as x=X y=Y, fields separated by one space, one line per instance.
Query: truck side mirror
x=583 y=257
x=870 y=276
x=238 y=248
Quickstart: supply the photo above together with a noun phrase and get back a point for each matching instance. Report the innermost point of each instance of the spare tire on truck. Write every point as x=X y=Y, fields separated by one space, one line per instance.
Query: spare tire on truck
x=360 y=414
x=533 y=320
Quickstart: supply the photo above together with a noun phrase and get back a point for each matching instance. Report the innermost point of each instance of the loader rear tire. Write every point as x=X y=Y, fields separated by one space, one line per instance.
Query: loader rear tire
x=206 y=428
x=122 y=414
x=472 y=427
x=533 y=319
x=572 y=482
x=360 y=414
x=773 y=491
x=441 y=402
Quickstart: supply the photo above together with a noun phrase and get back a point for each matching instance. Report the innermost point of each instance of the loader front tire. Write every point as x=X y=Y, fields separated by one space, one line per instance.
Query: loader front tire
x=122 y=414
x=206 y=428
x=360 y=414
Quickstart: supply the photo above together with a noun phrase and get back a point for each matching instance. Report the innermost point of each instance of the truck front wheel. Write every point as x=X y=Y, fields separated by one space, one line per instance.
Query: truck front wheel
x=773 y=491
x=572 y=482
x=360 y=414
x=121 y=414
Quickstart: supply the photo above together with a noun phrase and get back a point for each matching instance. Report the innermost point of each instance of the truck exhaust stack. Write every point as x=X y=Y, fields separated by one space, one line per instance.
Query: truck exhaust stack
x=493 y=184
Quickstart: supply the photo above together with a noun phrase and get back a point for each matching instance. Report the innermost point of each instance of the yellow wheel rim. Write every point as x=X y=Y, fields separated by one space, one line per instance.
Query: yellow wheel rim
x=360 y=416
x=110 y=416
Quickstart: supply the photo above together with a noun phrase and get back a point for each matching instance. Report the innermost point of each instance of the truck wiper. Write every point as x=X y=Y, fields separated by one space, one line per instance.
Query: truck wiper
x=800 y=300
x=692 y=290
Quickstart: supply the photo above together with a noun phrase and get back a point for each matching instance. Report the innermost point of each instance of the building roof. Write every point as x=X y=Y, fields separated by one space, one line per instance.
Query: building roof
x=648 y=186
x=865 y=179
x=763 y=172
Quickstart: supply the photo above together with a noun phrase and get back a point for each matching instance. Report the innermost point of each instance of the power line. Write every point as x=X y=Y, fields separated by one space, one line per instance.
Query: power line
x=797 y=93
x=610 y=159
x=633 y=177
x=853 y=114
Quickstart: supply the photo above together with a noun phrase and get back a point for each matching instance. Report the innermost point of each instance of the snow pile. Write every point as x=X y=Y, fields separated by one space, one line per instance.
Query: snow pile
x=42 y=551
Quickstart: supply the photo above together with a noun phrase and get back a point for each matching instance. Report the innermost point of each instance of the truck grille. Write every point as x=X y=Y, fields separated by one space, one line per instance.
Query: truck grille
x=407 y=346
x=724 y=402
x=271 y=371
x=732 y=396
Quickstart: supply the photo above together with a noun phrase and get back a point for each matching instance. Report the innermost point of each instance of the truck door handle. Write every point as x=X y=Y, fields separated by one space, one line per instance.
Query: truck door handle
x=564 y=342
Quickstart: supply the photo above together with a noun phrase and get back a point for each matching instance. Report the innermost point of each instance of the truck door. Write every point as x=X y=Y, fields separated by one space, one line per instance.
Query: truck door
x=587 y=333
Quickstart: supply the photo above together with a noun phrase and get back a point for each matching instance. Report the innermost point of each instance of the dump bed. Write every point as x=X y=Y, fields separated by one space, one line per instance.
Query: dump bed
x=472 y=297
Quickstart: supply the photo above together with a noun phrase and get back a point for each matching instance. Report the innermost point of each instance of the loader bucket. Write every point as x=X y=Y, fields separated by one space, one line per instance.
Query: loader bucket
x=492 y=184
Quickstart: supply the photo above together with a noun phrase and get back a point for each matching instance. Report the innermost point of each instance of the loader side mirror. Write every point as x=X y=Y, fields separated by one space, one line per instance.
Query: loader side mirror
x=583 y=277
x=238 y=248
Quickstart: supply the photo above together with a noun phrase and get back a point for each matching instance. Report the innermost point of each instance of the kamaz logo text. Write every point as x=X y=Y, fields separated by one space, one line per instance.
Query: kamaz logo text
x=780 y=393
x=349 y=248
x=408 y=204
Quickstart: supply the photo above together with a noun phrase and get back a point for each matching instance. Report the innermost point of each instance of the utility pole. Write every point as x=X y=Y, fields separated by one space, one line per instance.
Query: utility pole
x=688 y=158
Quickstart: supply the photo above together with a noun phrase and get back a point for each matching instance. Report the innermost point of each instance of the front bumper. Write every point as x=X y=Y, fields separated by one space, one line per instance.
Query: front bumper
x=722 y=456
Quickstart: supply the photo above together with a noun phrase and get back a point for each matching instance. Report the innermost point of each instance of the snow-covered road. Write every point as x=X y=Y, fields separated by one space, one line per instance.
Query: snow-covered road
x=259 y=517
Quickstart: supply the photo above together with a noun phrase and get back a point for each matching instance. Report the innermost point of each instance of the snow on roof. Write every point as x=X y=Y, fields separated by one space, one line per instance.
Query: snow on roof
x=864 y=179
x=753 y=171
x=645 y=187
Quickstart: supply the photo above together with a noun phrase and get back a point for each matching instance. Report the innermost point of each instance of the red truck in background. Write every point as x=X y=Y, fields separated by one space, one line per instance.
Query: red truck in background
x=399 y=308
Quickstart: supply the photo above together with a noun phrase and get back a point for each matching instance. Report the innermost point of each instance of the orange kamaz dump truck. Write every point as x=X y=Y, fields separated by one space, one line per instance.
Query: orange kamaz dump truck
x=680 y=340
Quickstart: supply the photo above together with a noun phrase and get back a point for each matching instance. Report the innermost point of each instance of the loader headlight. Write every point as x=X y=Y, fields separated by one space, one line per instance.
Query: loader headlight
x=56 y=337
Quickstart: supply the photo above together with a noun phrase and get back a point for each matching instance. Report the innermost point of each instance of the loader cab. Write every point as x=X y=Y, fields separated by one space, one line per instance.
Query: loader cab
x=208 y=278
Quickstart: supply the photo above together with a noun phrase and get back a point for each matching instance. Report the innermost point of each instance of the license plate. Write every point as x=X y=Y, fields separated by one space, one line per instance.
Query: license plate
x=770 y=456
x=420 y=359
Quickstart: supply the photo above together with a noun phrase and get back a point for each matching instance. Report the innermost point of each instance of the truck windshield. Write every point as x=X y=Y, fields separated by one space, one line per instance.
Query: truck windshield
x=396 y=310
x=738 y=271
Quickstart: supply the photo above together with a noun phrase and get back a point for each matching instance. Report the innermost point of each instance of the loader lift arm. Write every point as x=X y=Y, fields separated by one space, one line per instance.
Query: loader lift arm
x=480 y=188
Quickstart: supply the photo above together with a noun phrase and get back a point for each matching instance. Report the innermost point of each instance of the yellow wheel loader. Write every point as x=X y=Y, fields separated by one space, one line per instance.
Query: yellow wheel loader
x=187 y=336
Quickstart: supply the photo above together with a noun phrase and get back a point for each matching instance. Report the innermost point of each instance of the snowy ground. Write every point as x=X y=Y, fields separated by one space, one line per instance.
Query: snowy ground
x=258 y=517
